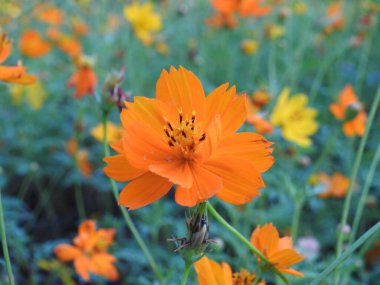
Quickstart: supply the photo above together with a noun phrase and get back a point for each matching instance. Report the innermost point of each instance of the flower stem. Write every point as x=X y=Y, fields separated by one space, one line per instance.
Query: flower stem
x=4 y=244
x=354 y=174
x=296 y=217
x=246 y=242
x=125 y=213
x=368 y=234
x=186 y=273
x=78 y=189
x=258 y=276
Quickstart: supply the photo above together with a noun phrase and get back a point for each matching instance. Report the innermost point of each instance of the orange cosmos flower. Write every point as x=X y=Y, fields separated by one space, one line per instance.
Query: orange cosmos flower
x=212 y=273
x=227 y=8
x=277 y=250
x=49 y=14
x=351 y=111
x=89 y=252
x=81 y=157
x=254 y=117
x=32 y=45
x=84 y=79
x=335 y=186
x=334 y=18
x=183 y=138
x=69 y=45
x=12 y=74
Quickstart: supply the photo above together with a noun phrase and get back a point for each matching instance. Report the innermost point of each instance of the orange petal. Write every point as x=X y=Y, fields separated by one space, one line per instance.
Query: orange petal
x=286 y=257
x=238 y=176
x=146 y=110
x=347 y=96
x=82 y=267
x=265 y=239
x=66 y=252
x=25 y=79
x=102 y=264
x=145 y=146
x=292 y=272
x=206 y=272
x=230 y=107
x=144 y=190
x=205 y=185
x=120 y=169
x=249 y=146
x=182 y=90
x=349 y=128
x=337 y=111
x=177 y=171
x=118 y=146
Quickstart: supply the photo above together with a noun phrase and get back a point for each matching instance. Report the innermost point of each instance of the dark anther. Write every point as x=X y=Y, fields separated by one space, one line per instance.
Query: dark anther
x=170 y=126
x=184 y=133
x=203 y=137
x=173 y=139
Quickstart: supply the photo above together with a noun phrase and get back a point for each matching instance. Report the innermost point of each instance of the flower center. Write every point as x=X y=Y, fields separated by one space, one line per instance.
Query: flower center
x=244 y=277
x=185 y=134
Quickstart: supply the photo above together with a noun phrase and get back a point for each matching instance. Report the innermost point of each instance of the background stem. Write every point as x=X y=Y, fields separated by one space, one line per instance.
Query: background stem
x=4 y=244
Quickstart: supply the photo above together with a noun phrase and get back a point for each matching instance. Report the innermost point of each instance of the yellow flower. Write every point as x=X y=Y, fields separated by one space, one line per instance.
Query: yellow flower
x=274 y=31
x=249 y=47
x=144 y=20
x=300 y=8
x=113 y=132
x=162 y=48
x=296 y=120
x=35 y=94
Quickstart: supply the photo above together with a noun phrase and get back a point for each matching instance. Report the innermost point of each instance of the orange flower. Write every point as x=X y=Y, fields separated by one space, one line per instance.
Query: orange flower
x=79 y=27
x=32 y=45
x=335 y=186
x=81 y=157
x=254 y=117
x=212 y=273
x=49 y=14
x=334 y=18
x=227 y=8
x=83 y=80
x=183 y=138
x=69 y=45
x=349 y=109
x=277 y=250
x=12 y=74
x=89 y=252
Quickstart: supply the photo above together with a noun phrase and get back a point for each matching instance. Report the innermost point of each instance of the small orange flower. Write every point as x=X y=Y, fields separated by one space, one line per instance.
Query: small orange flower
x=79 y=27
x=32 y=45
x=81 y=157
x=83 y=80
x=226 y=9
x=89 y=252
x=277 y=250
x=254 y=117
x=212 y=273
x=12 y=74
x=335 y=186
x=334 y=17
x=186 y=139
x=69 y=45
x=351 y=111
x=49 y=14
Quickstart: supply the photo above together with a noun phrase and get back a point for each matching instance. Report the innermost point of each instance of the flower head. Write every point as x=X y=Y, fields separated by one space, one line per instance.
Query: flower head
x=183 y=138
x=226 y=10
x=49 y=14
x=84 y=79
x=296 y=120
x=12 y=74
x=34 y=94
x=334 y=186
x=211 y=272
x=144 y=20
x=351 y=111
x=277 y=250
x=32 y=45
x=114 y=132
x=89 y=252
x=334 y=18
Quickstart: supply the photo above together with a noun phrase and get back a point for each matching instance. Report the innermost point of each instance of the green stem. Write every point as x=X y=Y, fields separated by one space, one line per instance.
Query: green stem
x=296 y=218
x=354 y=174
x=186 y=273
x=4 y=244
x=246 y=242
x=368 y=234
x=78 y=189
x=258 y=276
x=125 y=213
x=363 y=197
